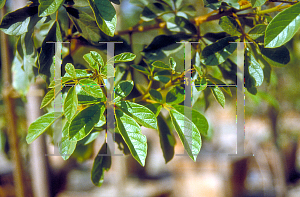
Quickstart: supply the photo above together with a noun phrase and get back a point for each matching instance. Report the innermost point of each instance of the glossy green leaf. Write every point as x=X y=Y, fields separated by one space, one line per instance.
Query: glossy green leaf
x=83 y=123
x=283 y=27
x=230 y=26
x=66 y=147
x=85 y=24
x=91 y=87
x=48 y=7
x=97 y=57
x=218 y=52
x=167 y=139
x=257 y=32
x=101 y=122
x=276 y=56
x=85 y=98
x=90 y=137
x=201 y=84
x=70 y=104
x=197 y=118
x=218 y=94
x=80 y=73
x=156 y=95
x=92 y=63
x=140 y=69
x=132 y=135
x=123 y=57
x=138 y=112
x=160 y=64
x=188 y=133
x=255 y=70
x=105 y=15
x=2 y=3
x=47 y=98
x=175 y=95
x=154 y=107
x=257 y=3
x=70 y=70
x=102 y=163
x=40 y=125
x=123 y=89
x=16 y=23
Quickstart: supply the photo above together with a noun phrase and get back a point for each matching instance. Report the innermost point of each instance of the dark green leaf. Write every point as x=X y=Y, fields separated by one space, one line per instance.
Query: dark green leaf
x=283 y=27
x=140 y=113
x=218 y=52
x=153 y=10
x=85 y=98
x=140 y=69
x=181 y=24
x=101 y=163
x=175 y=95
x=276 y=56
x=70 y=104
x=16 y=23
x=123 y=89
x=48 y=7
x=201 y=84
x=154 y=107
x=197 y=118
x=66 y=147
x=132 y=135
x=258 y=32
x=91 y=87
x=40 y=125
x=105 y=15
x=162 y=76
x=188 y=133
x=156 y=95
x=167 y=139
x=229 y=25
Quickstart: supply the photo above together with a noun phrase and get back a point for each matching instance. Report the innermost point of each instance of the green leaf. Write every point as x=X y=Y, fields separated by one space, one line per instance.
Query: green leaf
x=218 y=94
x=85 y=24
x=85 y=98
x=70 y=70
x=90 y=137
x=123 y=89
x=154 y=107
x=181 y=24
x=257 y=3
x=140 y=113
x=16 y=23
x=2 y=3
x=48 y=7
x=105 y=15
x=257 y=33
x=172 y=64
x=83 y=123
x=187 y=132
x=188 y=9
x=201 y=84
x=156 y=95
x=101 y=122
x=283 y=27
x=197 y=118
x=140 y=69
x=101 y=163
x=162 y=76
x=70 y=104
x=160 y=64
x=175 y=95
x=90 y=60
x=152 y=10
x=97 y=57
x=91 y=87
x=40 y=125
x=218 y=52
x=47 y=98
x=123 y=57
x=198 y=64
x=66 y=147
x=132 y=135
x=80 y=73
x=167 y=139
x=219 y=82
x=276 y=56
x=230 y=26
x=255 y=70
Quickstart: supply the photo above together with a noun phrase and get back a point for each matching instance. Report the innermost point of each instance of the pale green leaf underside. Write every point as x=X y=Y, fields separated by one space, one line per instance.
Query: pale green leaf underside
x=219 y=95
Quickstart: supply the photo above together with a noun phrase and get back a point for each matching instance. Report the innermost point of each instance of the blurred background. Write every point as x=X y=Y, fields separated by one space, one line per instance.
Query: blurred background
x=272 y=125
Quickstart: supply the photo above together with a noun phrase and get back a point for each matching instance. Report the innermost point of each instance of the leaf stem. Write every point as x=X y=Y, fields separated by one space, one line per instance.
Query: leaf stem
x=274 y=9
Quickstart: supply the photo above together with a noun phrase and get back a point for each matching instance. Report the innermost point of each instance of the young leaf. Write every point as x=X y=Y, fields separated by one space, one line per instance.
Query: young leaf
x=160 y=64
x=230 y=26
x=154 y=107
x=283 y=27
x=105 y=15
x=70 y=70
x=257 y=3
x=66 y=147
x=40 y=125
x=132 y=135
x=218 y=52
x=167 y=139
x=70 y=104
x=140 y=69
x=201 y=84
x=218 y=94
x=91 y=87
x=123 y=89
x=123 y=57
x=175 y=95
x=97 y=57
x=276 y=56
x=16 y=23
x=82 y=124
x=48 y=7
x=140 y=113
x=92 y=63
x=197 y=118
x=101 y=163
x=156 y=95
x=188 y=133
x=47 y=98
